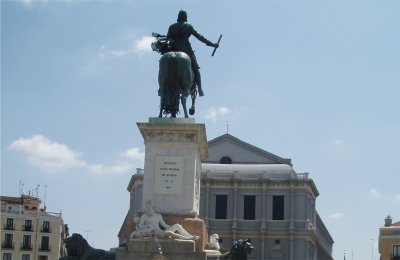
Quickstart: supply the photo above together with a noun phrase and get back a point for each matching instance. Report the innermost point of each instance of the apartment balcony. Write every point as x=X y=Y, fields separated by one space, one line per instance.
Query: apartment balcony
x=9 y=227
x=46 y=230
x=7 y=245
x=26 y=246
x=44 y=247
x=27 y=228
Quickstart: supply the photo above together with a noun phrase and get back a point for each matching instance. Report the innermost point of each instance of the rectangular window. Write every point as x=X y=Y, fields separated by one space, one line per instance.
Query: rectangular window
x=43 y=257
x=45 y=245
x=26 y=242
x=28 y=225
x=396 y=250
x=46 y=226
x=26 y=257
x=221 y=206
x=9 y=224
x=249 y=207
x=8 y=241
x=278 y=206
x=6 y=256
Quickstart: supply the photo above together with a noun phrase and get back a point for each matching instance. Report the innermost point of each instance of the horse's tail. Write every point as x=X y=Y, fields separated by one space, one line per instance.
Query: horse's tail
x=169 y=83
x=175 y=78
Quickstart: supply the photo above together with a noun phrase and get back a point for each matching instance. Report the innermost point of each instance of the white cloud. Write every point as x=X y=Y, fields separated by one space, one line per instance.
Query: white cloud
x=33 y=2
x=134 y=153
x=338 y=142
x=100 y=60
x=118 y=168
x=336 y=215
x=105 y=52
x=374 y=193
x=144 y=44
x=214 y=114
x=47 y=155
x=52 y=157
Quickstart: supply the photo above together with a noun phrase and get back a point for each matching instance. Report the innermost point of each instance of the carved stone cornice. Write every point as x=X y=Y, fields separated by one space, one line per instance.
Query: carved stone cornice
x=176 y=130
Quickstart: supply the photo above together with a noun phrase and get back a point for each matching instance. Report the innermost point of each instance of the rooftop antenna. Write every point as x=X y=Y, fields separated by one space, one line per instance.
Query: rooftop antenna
x=21 y=187
x=37 y=190
x=227 y=127
x=45 y=193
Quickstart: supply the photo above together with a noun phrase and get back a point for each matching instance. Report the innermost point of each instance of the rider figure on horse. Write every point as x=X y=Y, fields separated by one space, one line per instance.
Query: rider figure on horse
x=178 y=35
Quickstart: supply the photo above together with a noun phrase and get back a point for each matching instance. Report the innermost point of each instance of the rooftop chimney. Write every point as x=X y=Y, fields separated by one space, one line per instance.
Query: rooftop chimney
x=388 y=221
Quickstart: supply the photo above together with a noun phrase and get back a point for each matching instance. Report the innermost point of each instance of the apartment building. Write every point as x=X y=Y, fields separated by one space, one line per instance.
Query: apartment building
x=389 y=240
x=29 y=232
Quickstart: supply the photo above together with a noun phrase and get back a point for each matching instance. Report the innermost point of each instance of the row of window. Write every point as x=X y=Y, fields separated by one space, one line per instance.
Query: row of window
x=249 y=207
x=26 y=242
x=8 y=256
x=10 y=225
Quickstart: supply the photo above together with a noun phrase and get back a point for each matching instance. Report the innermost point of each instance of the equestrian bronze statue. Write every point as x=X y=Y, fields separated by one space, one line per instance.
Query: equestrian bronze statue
x=179 y=74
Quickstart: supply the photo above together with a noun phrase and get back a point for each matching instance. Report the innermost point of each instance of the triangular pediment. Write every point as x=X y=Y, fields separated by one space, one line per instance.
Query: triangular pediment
x=239 y=152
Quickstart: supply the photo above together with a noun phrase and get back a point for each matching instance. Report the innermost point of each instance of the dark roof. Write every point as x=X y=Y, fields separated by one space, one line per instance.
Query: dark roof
x=17 y=200
x=272 y=156
x=11 y=200
x=397 y=224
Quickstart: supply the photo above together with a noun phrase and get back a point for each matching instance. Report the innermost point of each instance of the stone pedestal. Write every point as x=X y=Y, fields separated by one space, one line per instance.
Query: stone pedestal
x=166 y=249
x=193 y=225
x=174 y=148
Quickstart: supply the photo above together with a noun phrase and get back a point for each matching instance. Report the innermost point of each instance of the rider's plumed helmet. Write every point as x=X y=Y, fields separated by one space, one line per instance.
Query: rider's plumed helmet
x=182 y=16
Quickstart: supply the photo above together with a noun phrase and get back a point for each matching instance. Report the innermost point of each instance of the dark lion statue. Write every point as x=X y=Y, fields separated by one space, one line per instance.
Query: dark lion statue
x=239 y=251
x=79 y=249
x=175 y=79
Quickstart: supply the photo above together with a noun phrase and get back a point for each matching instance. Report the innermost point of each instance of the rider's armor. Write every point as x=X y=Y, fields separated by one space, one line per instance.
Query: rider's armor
x=178 y=36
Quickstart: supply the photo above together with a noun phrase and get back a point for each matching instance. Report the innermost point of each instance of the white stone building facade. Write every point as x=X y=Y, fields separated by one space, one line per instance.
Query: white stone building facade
x=247 y=192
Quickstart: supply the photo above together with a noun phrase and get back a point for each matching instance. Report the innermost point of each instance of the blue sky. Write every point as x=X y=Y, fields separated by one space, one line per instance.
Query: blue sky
x=314 y=81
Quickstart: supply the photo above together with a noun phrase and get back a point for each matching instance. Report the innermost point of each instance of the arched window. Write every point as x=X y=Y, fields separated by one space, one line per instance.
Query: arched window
x=225 y=160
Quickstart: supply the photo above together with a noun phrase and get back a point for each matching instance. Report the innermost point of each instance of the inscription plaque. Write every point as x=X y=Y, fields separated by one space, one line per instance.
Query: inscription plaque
x=169 y=175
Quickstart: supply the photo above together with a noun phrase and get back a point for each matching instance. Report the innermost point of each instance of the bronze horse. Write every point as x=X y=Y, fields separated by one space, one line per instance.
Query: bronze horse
x=175 y=79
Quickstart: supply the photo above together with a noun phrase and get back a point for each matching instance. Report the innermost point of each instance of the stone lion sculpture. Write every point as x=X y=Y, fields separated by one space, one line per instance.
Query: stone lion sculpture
x=79 y=249
x=239 y=251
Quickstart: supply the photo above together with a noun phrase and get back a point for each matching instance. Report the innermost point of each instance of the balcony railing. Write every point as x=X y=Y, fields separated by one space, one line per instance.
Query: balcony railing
x=46 y=230
x=26 y=246
x=9 y=227
x=7 y=245
x=44 y=247
x=27 y=228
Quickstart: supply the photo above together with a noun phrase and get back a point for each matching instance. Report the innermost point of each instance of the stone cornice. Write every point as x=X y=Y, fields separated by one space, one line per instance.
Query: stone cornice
x=175 y=130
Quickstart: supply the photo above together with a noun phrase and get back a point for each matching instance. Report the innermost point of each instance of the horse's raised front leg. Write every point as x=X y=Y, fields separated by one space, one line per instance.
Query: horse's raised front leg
x=193 y=94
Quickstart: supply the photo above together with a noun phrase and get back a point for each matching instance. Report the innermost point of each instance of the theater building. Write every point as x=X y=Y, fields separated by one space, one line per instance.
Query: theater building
x=247 y=192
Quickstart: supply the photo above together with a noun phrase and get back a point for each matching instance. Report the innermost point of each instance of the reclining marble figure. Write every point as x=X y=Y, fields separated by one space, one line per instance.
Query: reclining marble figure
x=149 y=226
